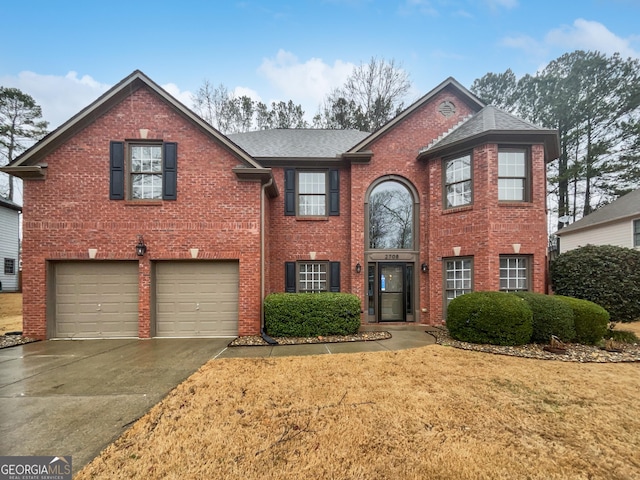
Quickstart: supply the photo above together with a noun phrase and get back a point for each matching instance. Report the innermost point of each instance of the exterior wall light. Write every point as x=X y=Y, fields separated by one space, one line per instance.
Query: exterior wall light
x=424 y=267
x=358 y=267
x=141 y=248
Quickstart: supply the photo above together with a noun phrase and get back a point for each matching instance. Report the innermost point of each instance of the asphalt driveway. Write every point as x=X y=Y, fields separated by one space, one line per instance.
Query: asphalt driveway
x=74 y=397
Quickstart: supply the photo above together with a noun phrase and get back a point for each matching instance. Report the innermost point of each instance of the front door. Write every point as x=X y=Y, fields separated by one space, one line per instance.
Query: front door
x=392 y=292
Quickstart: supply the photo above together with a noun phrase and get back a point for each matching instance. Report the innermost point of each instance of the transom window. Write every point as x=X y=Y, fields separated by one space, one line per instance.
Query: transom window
x=458 y=181
x=636 y=233
x=512 y=175
x=312 y=193
x=146 y=172
x=312 y=277
x=391 y=216
x=9 y=266
x=514 y=274
x=458 y=278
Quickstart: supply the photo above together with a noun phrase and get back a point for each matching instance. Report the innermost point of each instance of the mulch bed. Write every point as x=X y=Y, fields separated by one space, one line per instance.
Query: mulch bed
x=11 y=340
x=573 y=352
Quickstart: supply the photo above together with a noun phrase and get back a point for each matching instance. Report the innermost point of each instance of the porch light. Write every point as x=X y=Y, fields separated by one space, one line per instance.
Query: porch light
x=424 y=267
x=141 y=248
x=358 y=267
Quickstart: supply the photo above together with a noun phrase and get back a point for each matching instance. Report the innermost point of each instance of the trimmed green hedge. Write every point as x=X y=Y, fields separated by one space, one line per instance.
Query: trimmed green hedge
x=311 y=314
x=590 y=320
x=604 y=274
x=496 y=318
x=551 y=316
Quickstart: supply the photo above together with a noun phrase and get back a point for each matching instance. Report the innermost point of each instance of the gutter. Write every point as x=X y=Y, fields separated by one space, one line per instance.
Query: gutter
x=263 y=194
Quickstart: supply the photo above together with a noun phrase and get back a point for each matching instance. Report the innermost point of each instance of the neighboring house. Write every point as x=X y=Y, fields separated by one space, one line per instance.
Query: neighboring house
x=142 y=220
x=615 y=224
x=9 y=245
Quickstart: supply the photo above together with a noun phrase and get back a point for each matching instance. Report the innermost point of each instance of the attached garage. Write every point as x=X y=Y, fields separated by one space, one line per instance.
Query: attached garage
x=95 y=299
x=196 y=299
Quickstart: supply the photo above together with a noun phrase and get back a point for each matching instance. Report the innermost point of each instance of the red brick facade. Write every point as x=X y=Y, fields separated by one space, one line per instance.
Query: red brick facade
x=230 y=217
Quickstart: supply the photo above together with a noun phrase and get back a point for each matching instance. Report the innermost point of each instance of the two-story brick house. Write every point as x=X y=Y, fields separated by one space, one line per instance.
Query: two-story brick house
x=140 y=219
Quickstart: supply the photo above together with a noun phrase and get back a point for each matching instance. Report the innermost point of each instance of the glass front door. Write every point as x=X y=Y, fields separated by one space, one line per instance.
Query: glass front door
x=392 y=298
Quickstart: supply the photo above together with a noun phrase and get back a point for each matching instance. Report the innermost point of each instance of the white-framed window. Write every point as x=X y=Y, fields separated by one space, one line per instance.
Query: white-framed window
x=313 y=277
x=636 y=233
x=514 y=273
x=458 y=181
x=458 y=277
x=312 y=194
x=513 y=182
x=146 y=172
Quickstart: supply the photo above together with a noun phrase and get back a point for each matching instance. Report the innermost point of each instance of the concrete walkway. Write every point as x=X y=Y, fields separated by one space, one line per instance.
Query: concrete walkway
x=76 y=397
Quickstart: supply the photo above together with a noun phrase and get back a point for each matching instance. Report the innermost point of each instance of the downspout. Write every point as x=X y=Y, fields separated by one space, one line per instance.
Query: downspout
x=263 y=194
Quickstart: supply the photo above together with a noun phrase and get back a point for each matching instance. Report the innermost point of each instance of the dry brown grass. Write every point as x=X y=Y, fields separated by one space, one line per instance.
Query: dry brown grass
x=10 y=312
x=434 y=412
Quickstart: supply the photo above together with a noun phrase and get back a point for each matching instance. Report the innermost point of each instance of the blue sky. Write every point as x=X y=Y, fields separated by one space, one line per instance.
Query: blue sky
x=65 y=54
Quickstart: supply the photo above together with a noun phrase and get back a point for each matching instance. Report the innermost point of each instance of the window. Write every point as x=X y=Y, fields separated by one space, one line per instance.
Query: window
x=457 y=181
x=514 y=274
x=636 y=233
x=512 y=175
x=312 y=277
x=458 y=278
x=391 y=216
x=311 y=193
x=9 y=266
x=148 y=171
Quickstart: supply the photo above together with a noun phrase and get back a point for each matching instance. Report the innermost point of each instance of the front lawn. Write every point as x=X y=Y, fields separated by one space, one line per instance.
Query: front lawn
x=434 y=412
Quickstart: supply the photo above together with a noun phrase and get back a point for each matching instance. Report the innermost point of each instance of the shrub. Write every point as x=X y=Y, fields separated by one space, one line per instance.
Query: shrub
x=311 y=314
x=496 y=318
x=551 y=316
x=604 y=274
x=622 y=336
x=590 y=320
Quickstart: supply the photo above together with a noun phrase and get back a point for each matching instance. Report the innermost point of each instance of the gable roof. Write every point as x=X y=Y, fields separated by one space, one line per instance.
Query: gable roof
x=449 y=83
x=28 y=164
x=627 y=206
x=497 y=125
x=301 y=143
x=6 y=203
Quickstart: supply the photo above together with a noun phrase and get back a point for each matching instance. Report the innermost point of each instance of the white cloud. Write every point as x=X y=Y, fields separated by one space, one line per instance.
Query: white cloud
x=60 y=97
x=305 y=83
x=590 y=35
x=495 y=4
x=246 y=92
x=184 y=97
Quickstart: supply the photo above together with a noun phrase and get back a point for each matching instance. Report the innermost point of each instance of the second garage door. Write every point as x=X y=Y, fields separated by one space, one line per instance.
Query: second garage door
x=196 y=299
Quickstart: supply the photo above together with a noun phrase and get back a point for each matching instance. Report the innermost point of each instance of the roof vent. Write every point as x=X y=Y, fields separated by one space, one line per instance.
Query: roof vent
x=447 y=109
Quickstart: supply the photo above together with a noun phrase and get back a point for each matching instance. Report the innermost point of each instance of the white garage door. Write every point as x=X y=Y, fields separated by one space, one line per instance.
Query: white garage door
x=196 y=299
x=96 y=299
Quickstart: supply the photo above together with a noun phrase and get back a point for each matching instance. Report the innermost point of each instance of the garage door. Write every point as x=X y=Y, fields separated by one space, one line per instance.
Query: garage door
x=196 y=299
x=96 y=299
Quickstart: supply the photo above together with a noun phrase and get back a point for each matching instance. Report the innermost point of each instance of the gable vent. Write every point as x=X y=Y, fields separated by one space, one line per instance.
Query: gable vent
x=447 y=108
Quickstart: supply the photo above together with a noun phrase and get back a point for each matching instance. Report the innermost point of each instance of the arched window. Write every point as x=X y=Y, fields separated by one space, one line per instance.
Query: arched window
x=391 y=216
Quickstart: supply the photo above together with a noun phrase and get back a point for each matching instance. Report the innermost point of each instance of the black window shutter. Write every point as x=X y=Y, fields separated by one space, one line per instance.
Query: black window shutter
x=334 y=192
x=170 y=171
x=334 y=276
x=290 y=191
x=116 y=174
x=290 y=277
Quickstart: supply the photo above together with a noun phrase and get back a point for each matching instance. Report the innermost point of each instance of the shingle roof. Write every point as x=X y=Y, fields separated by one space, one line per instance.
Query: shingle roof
x=297 y=142
x=624 y=207
x=488 y=119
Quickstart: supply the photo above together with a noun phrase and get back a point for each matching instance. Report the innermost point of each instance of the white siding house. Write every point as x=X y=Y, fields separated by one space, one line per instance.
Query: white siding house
x=9 y=245
x=615 y=224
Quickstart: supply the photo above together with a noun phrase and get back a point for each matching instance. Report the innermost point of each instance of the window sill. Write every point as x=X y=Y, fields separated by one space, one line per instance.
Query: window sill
x=312 y=219
x=515 y=204
x=143 y=203
x=464 y=208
